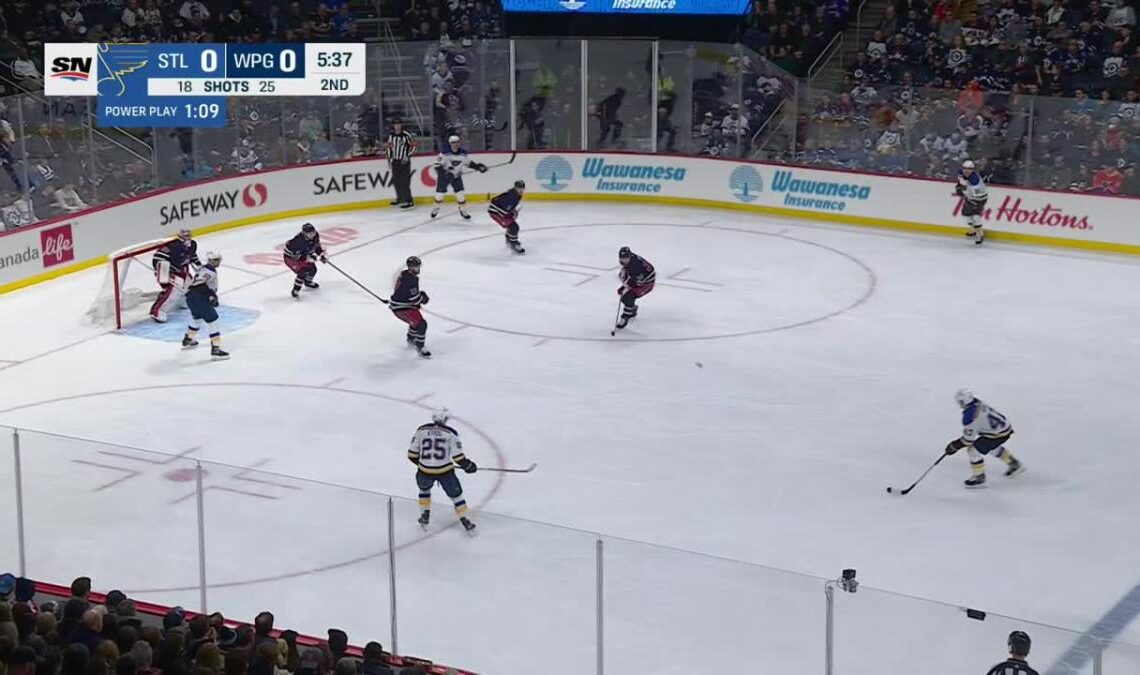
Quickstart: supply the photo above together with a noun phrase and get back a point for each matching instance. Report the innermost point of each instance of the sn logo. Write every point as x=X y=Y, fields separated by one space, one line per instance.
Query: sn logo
x=71 y=68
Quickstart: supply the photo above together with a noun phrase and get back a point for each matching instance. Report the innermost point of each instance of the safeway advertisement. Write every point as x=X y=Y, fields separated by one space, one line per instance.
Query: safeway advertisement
x=220 y=203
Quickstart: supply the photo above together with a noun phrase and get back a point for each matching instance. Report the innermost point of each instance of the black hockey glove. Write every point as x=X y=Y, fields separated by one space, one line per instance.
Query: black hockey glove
x=468 y=466
x=214 y=300
x=954 y=446
x=480 y=167
x=424 y=298
x=960 y=190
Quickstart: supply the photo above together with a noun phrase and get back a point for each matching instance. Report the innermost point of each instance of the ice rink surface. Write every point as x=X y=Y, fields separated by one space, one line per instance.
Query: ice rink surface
x=781 y=375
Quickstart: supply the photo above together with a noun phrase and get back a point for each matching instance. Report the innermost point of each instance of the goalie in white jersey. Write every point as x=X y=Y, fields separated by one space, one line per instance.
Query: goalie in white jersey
x=983 y=431
x=436 y=450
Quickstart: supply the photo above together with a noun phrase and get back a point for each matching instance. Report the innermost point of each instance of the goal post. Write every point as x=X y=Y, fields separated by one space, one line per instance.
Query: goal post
x=128 y=286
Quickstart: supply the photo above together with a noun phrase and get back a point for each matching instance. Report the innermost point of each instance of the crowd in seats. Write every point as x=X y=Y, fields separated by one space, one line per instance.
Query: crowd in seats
x=1044 y=93
x=80 y=636
x=792 y=33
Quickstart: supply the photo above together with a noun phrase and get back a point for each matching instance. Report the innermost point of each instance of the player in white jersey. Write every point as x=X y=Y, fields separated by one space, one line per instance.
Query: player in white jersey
x=436 y=451
x=449 y=173
x=971 y=187
x=983 y=431
x=202 y=299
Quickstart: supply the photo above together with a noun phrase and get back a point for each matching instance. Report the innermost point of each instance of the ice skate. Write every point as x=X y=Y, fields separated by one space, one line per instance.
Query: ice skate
x=312 y=284
x=188 y=342
x=159 y=317
x=435 y=212
x=467 y=525
x=977 y=481
x=425 y=517
x=219 y=354
x=296 y=292
x=464 y=214
x=423 y=352
x=1015 y=468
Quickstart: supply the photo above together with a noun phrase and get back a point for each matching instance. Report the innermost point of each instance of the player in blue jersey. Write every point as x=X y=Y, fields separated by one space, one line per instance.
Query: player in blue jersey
x=637 y=278
x=449 y=174
x=202 y=298
x=984 y=430
x=300 y=252
x=171 y=263
x=504 y=210
x=971 y=188
x=405 y=303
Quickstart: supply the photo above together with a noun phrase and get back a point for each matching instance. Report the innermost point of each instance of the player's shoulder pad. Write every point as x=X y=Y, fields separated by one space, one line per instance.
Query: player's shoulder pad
x=447 y=428
x=424 y=427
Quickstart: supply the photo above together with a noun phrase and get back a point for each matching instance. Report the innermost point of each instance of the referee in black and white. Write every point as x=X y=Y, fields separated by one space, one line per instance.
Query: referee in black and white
x=400 y=146
x=1018 y=651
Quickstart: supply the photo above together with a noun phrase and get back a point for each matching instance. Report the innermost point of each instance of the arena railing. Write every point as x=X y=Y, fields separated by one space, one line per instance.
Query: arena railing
x=172 y=528
x=529 y=93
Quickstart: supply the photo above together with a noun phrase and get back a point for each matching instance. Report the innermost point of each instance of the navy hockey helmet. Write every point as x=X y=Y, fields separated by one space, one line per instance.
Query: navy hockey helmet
x=624 y=253
x=1019 y=643
x=185 y=235
x=520 y=184
x=413 y=261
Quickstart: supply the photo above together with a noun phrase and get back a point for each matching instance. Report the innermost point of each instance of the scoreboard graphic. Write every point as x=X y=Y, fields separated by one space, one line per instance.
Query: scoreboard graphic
x=186 y=85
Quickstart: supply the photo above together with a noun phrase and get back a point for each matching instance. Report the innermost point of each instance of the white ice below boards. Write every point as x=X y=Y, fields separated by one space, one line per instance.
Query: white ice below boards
x=780 y=375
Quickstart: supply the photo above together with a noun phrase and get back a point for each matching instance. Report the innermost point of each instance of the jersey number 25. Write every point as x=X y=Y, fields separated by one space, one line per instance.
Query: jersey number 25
x=433 y=448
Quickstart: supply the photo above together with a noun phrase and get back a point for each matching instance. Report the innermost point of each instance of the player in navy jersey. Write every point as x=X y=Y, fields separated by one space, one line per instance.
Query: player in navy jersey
x=504 y=210
x=171 y=263
x=405 y=303
x=300 y=252
x=449 y=174
x=637 y=277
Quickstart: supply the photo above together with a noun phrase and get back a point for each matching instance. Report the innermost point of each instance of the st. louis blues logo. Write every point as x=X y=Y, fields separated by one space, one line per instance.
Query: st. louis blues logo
x=745 y=183
x=554 y=173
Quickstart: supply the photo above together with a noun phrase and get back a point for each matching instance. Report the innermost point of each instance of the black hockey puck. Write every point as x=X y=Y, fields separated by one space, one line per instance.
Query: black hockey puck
x=889 y=490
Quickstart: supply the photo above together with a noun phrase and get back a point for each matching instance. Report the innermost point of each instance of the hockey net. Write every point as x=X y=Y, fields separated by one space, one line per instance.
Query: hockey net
x=129 y=286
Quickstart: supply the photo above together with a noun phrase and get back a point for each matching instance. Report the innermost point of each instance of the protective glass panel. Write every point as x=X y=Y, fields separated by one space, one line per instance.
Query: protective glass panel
x=124 y=516
x=1084 y=145
x=900 y=631
x=1119 y=658
x=59 y=166
x=620 y=94
x=522 y=585
x=675 y=130
x=720 y=123
x=313 y=554
x=674 y=611
x=548 y=93
x=9 y=537
x=260 y=143
x=486 y=97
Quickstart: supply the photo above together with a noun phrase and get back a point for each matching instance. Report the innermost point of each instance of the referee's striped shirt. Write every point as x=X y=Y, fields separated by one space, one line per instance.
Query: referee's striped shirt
x=1012 y=667
x=400 y=146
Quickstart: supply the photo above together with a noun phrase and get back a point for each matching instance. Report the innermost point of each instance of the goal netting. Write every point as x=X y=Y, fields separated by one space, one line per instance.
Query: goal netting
x=129 y=287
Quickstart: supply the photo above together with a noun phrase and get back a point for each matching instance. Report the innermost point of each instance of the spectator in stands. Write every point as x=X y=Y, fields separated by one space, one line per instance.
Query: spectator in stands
x=25 y=70
x=80 y=589
x=87 y=633
x=373 y=663
x=22 y=661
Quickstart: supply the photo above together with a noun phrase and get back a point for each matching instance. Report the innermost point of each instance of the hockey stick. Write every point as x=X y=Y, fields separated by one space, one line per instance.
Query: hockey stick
x=891 y=490
x=509 y=161
x=617 y=318
x=362 y=286
x=526 y=470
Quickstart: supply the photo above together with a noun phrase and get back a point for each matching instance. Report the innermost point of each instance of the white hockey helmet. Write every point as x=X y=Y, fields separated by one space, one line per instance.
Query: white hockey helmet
x=968 y=164
x=453 y=139
x=214 y=256
x=440 y=416
x=964 y=397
